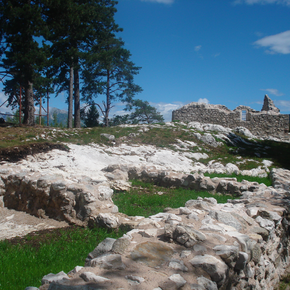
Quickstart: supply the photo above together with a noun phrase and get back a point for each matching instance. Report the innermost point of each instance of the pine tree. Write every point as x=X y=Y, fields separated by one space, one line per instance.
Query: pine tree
x=110 y=72
x=74 y=27
x=91 y=117
x=143 y=112
x=54 y=119
x=21 y=22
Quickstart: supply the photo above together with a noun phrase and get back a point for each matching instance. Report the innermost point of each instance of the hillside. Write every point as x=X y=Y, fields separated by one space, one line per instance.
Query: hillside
x=73 y=175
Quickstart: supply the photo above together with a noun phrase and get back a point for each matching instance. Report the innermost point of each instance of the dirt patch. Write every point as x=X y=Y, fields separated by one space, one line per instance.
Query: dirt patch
x=17 y=153
x=18 y=224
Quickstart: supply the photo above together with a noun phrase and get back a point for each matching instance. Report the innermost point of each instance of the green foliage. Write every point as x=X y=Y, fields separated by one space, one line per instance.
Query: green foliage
x=143 y=112
x=15 y=118
x=54 y=119
x=119 y=120
x=23 y=56
x=266 y=180
x=91 y=117
x=68 y=30
x=25 y=261
x=146 y=199
x=43 y=122
x=109 y=72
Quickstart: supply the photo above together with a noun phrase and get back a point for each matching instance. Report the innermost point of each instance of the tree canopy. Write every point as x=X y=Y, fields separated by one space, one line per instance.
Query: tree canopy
x=62 y=44
x=143 y=112
x=109 y=72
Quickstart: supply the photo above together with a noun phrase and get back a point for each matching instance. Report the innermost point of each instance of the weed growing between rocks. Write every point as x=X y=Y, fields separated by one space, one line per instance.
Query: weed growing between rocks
x=24 y=261
x=145 y=199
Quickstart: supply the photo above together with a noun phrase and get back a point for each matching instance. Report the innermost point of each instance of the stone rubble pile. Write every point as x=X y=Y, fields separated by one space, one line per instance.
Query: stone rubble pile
x=242 y=244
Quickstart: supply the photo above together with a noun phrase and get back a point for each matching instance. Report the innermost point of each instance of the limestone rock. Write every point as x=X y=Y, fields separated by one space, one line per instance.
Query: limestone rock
x=269 y=105
x=228 y=253
x=103 y=247
x=265 y=223
x=152 y=254
x=178 y=265
x=213 y=266
x=134 y=280
x=206 y=283
x=107 y=220
x=226 y=218
x=108 y=137
x=108 y=261
x=178 y=280
x=91 y=277
x=242 y=261
x=184 y=235
x=54 y=277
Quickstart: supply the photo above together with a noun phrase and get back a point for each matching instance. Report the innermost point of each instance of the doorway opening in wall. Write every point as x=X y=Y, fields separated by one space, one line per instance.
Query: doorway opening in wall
x=244 y=115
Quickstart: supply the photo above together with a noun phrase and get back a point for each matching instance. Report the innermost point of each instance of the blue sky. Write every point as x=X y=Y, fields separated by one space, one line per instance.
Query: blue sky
x=229 y=52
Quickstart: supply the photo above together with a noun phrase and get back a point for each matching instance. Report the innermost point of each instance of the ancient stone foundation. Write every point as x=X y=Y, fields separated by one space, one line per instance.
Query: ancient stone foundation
x=242 y=244
x=268 y=122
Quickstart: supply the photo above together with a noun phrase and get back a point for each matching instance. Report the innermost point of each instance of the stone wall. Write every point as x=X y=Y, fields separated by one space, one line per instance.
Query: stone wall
x=265 y=123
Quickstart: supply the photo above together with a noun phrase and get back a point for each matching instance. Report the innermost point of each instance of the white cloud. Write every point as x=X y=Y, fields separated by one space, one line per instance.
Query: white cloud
x=166 y=109
x=283 y=105
x=197 y=48
x=263 y=2
x=273 y=92
x=160 y=1
x=278 y=43
x=204 y=101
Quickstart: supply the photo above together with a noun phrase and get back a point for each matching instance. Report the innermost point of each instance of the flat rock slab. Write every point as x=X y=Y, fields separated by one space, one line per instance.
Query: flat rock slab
x=152 y=254
x=18 y=224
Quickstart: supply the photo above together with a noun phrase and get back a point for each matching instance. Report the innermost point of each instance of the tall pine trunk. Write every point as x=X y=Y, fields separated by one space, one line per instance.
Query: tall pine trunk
x=70 y=98
x=108 y=101
x=77 y=98
x=29 y=105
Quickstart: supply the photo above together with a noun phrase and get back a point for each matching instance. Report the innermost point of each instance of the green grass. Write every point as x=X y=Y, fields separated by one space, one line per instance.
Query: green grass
x=266 y=180
x=143 y=199
x=25 y=261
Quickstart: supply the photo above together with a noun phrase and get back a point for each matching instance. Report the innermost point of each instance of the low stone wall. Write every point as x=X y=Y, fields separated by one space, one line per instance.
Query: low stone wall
x=54 y=197
x=265 y=123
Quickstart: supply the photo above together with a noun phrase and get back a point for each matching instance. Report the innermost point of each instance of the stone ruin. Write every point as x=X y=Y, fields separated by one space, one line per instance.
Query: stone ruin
x=267 y=122
x=242 y=244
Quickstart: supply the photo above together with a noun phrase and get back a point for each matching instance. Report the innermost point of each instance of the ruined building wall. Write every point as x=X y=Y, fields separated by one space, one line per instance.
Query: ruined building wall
x=264 y=123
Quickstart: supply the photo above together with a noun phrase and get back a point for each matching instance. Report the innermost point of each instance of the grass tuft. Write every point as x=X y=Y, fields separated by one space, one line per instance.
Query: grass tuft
x=145 y=199
x=24 y=261
x=266 y=180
